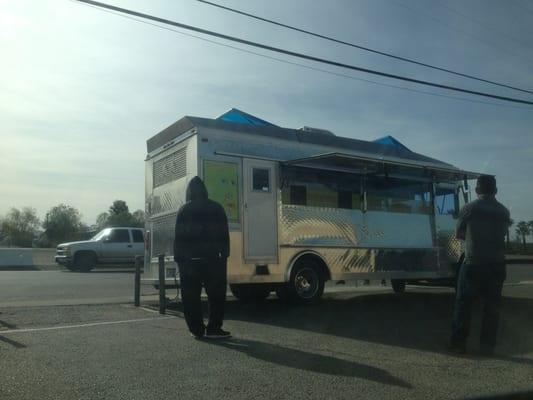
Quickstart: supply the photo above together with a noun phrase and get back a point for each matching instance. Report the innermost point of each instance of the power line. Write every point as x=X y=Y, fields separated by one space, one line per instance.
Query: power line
x=301 y=55
x=464 y=32
x=478 y=22
x=331 y=39
x=338 y=74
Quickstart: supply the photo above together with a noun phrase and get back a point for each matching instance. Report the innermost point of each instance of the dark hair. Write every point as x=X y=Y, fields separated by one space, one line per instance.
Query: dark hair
x=486 y=184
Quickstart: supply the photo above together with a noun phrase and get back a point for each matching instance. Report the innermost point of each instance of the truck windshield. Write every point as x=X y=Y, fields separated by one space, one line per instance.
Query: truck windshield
x=101 y=234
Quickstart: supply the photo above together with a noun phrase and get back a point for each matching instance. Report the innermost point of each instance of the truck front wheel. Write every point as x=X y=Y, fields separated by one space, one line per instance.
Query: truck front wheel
x=85 y=261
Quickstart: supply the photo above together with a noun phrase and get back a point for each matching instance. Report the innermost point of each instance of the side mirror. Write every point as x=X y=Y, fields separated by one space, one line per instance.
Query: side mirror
x=107 y=240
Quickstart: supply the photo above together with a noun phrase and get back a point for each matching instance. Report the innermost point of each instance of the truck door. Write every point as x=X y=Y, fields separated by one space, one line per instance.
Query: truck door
x=117 y=246
x=260 y=211
x=137 y=248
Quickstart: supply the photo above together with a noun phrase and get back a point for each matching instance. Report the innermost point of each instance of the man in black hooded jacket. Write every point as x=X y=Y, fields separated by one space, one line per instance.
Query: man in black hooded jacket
x=201 y=249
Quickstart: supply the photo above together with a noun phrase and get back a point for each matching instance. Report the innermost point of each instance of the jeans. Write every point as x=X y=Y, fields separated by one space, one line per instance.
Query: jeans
x=484 y=281
x=211 y=274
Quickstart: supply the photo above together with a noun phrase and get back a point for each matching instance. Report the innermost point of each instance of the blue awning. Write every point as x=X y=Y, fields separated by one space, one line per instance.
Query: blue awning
x=235 y=115
x=390 y=141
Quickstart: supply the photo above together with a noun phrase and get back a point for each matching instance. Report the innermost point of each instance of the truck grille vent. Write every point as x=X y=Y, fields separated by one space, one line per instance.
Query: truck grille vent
x=170 y=168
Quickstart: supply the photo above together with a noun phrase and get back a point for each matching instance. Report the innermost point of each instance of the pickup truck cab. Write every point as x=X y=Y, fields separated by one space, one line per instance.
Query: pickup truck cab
x=109 y=246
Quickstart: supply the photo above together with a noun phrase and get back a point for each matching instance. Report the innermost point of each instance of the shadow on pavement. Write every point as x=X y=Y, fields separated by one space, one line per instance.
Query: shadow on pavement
x=13 y=343
x=313 y=362
x=419 y=321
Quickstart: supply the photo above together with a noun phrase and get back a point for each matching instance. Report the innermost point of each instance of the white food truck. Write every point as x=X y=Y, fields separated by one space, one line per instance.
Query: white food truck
x=306 y=206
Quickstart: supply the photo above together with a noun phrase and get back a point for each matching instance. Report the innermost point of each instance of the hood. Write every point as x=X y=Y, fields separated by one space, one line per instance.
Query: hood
x=196 y=190
x=73 y=243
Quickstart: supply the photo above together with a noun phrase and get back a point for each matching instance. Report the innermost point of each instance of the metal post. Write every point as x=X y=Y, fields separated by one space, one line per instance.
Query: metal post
x=162 y=294
x=137 y=293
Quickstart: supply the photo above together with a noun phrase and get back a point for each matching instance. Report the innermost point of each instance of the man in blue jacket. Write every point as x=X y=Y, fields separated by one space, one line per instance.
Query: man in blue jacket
x=201 y=249
x=482 y=224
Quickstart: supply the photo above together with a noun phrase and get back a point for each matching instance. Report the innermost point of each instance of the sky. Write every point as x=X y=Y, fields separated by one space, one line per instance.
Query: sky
x=81 y=90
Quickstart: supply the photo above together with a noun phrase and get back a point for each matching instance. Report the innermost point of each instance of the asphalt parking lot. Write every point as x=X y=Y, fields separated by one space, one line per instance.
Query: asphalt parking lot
x=364 y=343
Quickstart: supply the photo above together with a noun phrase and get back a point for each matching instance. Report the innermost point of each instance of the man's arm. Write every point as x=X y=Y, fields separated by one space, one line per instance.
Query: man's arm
x=225 y=233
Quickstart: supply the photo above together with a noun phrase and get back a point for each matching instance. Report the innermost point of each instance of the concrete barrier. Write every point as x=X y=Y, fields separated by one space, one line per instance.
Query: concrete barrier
x=16 y=257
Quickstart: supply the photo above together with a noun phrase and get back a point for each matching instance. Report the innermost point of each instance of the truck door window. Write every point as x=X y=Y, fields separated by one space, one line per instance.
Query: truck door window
x=445 y=201
x=119 y=236
x=260 y=180
x=138 y=236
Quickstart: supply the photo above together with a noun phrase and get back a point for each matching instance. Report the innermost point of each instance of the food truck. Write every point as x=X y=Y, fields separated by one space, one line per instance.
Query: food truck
x=306 y=206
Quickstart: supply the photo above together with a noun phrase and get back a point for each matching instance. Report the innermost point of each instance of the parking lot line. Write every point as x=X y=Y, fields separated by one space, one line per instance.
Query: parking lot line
x=53 y=328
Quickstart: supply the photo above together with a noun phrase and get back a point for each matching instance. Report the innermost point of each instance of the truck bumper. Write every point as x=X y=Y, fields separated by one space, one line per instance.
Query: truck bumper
x=64 y=260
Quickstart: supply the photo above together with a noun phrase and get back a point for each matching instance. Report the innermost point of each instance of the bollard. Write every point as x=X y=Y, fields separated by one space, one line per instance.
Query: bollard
x=137 y=293
x=162 y=294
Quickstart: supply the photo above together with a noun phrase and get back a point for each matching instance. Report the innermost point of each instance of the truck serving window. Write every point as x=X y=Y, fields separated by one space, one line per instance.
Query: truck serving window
x=398 y=196
x=319 y=188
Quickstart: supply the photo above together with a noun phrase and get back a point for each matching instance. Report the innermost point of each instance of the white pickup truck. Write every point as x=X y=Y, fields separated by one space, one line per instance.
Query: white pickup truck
x=109 y=246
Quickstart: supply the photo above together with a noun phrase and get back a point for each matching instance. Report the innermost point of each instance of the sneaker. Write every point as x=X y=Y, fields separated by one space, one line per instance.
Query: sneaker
x=217 y=334
x=199 y=335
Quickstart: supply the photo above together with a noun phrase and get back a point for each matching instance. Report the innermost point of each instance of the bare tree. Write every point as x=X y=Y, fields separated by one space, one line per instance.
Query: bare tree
x=20 y=226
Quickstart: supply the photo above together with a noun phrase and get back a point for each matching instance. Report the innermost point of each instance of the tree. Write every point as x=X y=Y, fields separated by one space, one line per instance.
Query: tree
x=119 y=214
x=101 y=221
x=19 y=227
x=119 y=207
x=62 y=223
x=530 y=223
x=522 y=230
x=138 y=218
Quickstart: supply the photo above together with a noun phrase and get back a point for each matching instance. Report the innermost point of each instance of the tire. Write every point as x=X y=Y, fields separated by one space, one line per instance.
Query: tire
x=85 y=261
x=398 y=285
x=306 y=284
x=250 y=293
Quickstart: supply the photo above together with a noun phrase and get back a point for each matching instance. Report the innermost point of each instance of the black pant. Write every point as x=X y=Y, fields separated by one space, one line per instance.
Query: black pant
x=483 y=281
x=212 y=275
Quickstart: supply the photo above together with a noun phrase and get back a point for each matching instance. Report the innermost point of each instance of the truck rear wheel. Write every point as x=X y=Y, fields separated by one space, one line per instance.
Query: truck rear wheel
x=250 y=292
x=85 y=261
x=398 y=285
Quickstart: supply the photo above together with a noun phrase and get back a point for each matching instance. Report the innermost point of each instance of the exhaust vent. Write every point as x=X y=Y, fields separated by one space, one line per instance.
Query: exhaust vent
x=319 y=131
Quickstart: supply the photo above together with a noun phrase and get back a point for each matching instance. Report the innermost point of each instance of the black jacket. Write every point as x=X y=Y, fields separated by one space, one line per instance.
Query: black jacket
x=201 y=226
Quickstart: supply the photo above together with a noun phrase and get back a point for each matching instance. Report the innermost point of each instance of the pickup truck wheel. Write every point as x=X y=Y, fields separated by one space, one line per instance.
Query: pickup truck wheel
x=85 y=261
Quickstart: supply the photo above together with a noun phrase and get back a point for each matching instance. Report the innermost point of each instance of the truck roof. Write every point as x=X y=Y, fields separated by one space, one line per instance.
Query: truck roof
x=383 y=148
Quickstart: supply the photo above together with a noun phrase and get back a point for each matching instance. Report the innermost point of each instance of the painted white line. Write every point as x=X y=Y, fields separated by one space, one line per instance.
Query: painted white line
x=54 y=328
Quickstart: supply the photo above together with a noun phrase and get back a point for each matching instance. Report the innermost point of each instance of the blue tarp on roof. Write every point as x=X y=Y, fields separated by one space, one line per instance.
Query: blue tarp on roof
x=390 y=141
x=235 y=115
